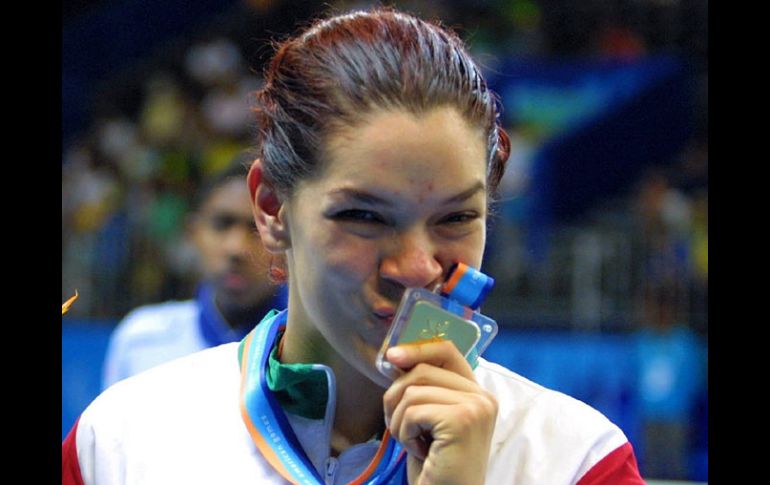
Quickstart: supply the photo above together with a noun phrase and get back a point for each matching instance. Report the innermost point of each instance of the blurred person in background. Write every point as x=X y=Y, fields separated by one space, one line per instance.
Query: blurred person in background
x=672 y=363
x=233 y=295
x=672 y=375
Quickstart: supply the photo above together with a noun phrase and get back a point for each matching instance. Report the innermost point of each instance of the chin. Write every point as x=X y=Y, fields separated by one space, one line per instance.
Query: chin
x=369 y=370
x=365 y=363
x=380 y=379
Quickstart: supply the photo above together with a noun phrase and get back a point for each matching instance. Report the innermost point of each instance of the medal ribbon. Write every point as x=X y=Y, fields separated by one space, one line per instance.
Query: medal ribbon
x=271 y=431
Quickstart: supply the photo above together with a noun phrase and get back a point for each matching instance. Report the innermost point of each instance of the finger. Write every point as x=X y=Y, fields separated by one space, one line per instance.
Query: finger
x=470 y=407
x=442 y=354
x=416 y=429
x=419 y=395
x=426 y=375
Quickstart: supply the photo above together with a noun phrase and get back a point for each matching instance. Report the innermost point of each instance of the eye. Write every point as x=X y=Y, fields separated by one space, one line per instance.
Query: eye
x=359 y=215
x=460 y=217
x=221 y=223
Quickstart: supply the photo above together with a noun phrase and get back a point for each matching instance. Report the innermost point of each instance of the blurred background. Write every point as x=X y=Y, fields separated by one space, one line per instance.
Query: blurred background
x=599 y=243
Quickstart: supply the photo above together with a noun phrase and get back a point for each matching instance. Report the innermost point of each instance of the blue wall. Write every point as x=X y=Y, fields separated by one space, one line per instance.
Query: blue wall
x=82 y=353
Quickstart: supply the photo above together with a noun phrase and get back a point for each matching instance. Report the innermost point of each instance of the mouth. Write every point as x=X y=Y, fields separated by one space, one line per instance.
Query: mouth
x=384 y=315
x=234 y=281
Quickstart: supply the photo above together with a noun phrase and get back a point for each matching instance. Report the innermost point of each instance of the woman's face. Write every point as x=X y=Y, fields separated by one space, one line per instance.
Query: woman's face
x=398 y=200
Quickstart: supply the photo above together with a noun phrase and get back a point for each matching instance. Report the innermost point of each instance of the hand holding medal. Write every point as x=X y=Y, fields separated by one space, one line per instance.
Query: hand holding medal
x=436 y=409
x=440 y=414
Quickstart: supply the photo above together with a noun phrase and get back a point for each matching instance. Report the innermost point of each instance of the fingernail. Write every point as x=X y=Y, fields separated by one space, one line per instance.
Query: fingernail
x=395 y=353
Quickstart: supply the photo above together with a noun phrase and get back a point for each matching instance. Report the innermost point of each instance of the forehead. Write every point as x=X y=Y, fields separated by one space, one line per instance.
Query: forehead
x=232 y=195
x=394 y=150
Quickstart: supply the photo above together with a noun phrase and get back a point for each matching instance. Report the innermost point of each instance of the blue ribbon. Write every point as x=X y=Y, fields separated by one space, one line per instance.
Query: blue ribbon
x=270 y=421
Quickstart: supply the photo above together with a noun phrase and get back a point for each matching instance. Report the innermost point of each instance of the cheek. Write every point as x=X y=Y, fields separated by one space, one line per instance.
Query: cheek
x=352 y=259
x=469 y=250
x=208 y=244
x=344 y=258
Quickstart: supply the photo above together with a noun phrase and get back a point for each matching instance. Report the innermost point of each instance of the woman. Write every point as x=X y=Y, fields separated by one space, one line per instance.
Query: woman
x=379 y=152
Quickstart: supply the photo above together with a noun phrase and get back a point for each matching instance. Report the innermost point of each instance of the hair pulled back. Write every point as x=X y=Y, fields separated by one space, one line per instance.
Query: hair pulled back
x=347 y=66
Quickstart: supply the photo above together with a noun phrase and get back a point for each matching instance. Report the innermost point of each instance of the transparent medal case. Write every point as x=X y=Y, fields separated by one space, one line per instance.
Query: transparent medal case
x=423 y=316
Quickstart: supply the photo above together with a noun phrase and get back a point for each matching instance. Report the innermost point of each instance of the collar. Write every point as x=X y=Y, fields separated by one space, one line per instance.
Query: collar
x=301 y=389
x=292 y=444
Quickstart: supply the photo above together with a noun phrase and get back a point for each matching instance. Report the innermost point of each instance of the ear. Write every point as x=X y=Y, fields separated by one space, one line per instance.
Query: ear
x=269 y=210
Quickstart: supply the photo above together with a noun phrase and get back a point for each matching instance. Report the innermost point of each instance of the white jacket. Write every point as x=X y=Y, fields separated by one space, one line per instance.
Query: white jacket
x=157 y=428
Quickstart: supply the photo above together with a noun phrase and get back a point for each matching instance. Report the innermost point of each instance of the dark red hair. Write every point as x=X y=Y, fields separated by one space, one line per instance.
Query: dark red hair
x=346 y=66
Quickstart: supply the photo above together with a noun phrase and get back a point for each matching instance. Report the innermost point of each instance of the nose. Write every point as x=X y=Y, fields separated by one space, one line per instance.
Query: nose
x=412 y=263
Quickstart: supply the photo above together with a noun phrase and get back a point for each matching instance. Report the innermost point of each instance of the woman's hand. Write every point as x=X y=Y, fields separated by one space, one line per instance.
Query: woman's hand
x=444 y=419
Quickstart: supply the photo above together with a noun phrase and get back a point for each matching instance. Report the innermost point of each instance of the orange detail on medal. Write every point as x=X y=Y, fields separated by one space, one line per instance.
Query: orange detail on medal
x=455 y=275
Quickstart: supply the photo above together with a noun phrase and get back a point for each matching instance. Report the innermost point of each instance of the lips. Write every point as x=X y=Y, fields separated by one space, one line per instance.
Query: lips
x=385 y=314
x=234 y=281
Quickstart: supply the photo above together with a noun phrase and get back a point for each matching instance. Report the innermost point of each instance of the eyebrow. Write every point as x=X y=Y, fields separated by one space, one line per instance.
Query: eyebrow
x=371 y=199
x=361 y=196
x=466 y=194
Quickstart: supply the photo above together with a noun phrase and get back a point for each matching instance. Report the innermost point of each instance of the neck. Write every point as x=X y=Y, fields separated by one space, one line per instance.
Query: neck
x=358 y=413
x=236 y=319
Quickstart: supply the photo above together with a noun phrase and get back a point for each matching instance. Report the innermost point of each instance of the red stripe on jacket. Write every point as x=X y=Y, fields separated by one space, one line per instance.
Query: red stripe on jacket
x=617 y=468
x=70 y=468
